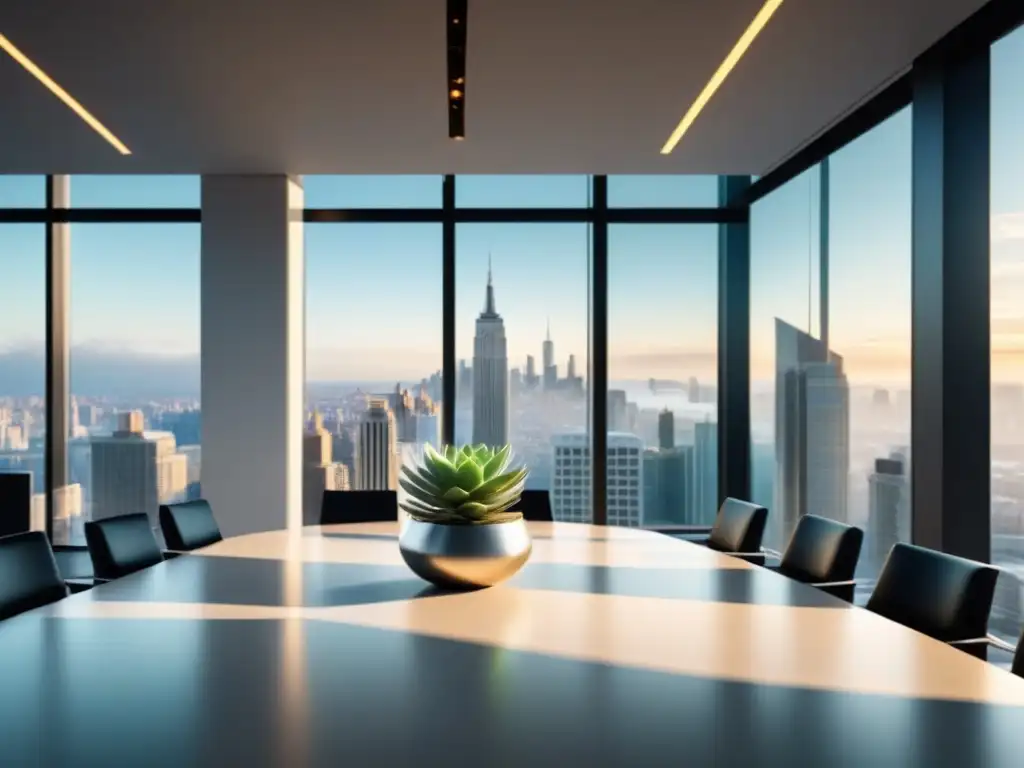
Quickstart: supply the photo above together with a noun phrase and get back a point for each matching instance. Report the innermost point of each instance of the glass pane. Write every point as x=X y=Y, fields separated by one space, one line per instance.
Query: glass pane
x=868 y=446
x=88 y=191
x=331 y=191
x=135 y=413
x=522 y=191
x=663 y=191
x=521 y=338
x=1007 y=323
x=784 y=287
x=22 y=363
x=662 y=375
x=22 y=191
x=373 y=359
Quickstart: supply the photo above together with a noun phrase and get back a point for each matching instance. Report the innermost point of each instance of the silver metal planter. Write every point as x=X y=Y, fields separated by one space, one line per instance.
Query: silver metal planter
x=465 y=556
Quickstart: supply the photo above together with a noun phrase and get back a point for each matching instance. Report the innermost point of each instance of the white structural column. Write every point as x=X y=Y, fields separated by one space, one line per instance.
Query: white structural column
x=253 y=359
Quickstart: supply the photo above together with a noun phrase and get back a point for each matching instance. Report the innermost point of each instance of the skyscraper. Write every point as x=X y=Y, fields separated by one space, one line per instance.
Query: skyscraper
x=490 y=375
x=668 y=481
x=617 y=420
x=531 y=377
x=465 y=381
x=377 y=457
x=704 y=499
x=888 y=509
x=135 y=471
x=812 y=425
x=319 y=472
x=570 y=485
x=666 y=430
x=550 y=370
x=693 y=390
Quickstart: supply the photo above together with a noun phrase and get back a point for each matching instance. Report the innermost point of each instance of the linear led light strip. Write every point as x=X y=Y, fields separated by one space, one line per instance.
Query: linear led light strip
x=721 y=73
x=63 y=95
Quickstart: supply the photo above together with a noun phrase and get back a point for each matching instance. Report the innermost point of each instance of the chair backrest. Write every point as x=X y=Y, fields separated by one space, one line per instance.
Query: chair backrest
x=739 y=527
x=189 y=525
x=822 y=550
x=358 y=507
x=28 y=574
x=535 y=505
x=121 y=545
x=945 y=597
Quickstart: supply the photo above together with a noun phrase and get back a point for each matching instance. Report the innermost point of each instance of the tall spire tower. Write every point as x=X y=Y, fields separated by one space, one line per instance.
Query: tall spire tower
x=550 y=369
x=489 y=310
x=490 y=373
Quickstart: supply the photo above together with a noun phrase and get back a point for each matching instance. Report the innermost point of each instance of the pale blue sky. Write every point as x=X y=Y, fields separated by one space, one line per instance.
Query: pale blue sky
x=374 y=290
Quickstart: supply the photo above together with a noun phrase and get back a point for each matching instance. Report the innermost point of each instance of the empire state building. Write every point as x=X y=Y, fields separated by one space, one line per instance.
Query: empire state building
x=490 y=375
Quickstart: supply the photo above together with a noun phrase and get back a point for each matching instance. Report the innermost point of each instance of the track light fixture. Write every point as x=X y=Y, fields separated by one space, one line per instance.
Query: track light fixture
x=457 y=11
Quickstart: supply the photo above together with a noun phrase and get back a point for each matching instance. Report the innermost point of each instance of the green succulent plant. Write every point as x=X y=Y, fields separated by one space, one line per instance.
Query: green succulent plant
x=470 y=485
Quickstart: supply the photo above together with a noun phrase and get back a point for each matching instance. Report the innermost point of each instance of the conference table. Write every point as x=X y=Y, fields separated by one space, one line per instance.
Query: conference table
x=612 y=646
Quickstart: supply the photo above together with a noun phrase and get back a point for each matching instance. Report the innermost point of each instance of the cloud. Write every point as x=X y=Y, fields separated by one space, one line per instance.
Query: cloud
x=1008 y=226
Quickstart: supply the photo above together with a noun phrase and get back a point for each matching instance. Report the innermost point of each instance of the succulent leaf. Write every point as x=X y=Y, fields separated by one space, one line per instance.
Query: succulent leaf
x=420 y=480
x=469 y=475
x=455 y=494
x=497 y=462
x=463 y=485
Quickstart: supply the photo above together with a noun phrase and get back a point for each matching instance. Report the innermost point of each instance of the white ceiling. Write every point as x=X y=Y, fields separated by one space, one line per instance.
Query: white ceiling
x=553 y=86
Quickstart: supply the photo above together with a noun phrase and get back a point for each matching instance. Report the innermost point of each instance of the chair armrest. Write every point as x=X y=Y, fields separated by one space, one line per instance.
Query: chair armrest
x=827 y=584
x=1002 y=645
x=976 y=642
x=170 y=554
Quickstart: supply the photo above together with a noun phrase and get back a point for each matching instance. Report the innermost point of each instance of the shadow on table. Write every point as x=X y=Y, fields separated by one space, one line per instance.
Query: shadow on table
x=362 y=536
x=264 y=582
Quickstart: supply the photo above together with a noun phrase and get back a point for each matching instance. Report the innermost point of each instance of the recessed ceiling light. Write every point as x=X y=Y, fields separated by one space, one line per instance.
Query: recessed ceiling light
x=63 y=95
x=457 y=12
x=759 y=22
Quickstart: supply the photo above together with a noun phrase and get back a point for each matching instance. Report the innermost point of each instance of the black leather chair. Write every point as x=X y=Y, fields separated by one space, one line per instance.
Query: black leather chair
x=535 y=505
x=358 y=507
x=29 y=576
x=939 y=595
x=121 y=545
x=823 y=553
x=738 y=530
x=189 y=525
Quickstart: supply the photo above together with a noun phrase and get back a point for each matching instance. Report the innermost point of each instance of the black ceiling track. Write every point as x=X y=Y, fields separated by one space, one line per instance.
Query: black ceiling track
x=457 y=11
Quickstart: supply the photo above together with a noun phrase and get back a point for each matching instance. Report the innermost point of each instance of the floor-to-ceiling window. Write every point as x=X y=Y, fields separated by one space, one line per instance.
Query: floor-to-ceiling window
x=521 y=339
x=784 y=323
x=134 y=415
x=662 y=373
x=868 y=318
x=830 y=344
x=22 y=344
x=373 y=338
x=1007 y=329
